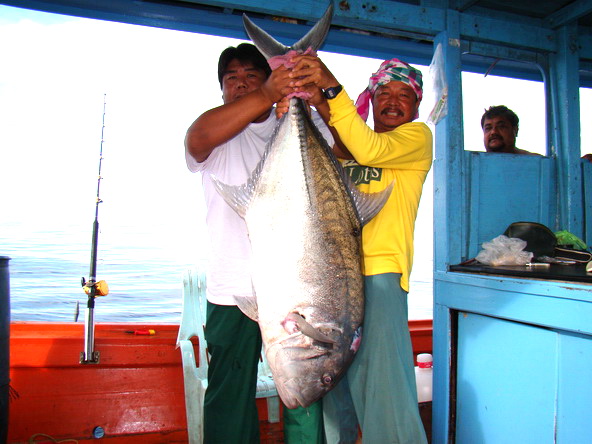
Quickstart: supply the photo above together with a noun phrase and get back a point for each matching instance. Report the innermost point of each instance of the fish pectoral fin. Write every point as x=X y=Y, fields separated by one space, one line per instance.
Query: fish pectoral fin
x=248 y=305
x=237 y=197
x=308 y=329
x=369 y=204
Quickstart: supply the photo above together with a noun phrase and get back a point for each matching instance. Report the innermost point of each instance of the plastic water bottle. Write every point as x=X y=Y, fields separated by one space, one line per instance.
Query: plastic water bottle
x=423 y=377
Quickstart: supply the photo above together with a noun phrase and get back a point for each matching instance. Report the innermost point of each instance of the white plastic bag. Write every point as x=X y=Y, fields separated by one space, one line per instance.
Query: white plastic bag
x=439 y=85
x=504 y=250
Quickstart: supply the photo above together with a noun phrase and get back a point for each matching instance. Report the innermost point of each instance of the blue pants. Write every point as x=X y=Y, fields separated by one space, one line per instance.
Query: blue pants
x=378 y=391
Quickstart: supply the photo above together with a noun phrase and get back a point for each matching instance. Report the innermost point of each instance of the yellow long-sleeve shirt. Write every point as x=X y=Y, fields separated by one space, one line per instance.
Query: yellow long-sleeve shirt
x=404 y=156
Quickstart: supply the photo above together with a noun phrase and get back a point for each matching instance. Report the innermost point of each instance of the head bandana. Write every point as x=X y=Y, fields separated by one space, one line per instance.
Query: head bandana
x=390 y=70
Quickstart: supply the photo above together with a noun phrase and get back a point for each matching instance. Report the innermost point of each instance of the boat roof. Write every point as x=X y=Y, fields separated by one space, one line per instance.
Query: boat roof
x=503 y=38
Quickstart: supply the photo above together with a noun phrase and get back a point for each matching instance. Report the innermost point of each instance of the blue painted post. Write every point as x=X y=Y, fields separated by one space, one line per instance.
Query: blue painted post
x=565 y=106
x=449 y=190
x=449 y=207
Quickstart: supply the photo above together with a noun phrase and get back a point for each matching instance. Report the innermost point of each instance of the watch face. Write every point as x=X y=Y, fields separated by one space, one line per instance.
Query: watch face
x=332 y=92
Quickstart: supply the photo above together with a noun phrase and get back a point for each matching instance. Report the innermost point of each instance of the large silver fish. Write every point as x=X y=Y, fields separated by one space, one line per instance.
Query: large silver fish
x=304 y=218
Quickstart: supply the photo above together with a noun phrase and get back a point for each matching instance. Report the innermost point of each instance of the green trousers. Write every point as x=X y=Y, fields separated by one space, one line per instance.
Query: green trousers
x=234 y=344
x=230 y=412
x=378 y=390
x=304 y=425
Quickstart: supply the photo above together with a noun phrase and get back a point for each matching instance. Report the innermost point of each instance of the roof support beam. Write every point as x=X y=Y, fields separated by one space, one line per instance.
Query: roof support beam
x=377 y=28
x=569 y=13
x=388 y=17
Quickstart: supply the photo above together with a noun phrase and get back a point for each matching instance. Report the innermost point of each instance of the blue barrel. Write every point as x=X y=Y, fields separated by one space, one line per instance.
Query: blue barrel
x=4 y=346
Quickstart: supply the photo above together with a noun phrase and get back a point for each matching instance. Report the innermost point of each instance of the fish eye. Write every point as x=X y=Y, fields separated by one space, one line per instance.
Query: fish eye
x=327 y=379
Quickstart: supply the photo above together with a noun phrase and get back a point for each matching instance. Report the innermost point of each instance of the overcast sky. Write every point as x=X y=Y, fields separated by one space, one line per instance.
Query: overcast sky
x=55 y=71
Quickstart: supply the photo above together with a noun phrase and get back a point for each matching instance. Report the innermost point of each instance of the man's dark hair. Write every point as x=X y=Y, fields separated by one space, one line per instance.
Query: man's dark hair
x=500 y=111
x=244 y=53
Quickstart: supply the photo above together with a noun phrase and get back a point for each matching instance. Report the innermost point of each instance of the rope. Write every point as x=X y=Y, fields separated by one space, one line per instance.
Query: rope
x=43 y=435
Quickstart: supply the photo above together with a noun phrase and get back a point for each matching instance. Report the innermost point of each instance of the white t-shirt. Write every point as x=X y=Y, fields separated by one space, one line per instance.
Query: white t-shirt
x=229 y=272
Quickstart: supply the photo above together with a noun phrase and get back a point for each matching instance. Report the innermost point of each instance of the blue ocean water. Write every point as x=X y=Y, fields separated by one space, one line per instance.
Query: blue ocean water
x=145 y=280
x=46 y=269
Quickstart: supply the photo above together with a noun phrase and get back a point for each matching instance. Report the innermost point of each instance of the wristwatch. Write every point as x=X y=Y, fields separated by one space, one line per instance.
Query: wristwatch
x=331 y=93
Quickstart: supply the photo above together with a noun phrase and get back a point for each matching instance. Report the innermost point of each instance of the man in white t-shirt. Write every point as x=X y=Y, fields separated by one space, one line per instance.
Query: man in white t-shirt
x=228 y=142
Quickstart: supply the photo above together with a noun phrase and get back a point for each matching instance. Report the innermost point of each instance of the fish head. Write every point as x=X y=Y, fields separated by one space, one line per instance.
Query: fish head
x=305 y=368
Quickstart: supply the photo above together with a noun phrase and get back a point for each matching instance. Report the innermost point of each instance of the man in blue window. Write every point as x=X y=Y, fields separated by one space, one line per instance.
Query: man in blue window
x=500 y=129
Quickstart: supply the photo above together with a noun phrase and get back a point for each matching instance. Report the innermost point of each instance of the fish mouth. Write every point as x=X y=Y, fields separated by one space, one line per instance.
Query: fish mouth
x=302 y=392
x=327 y=337
x=304 y=368
x=295 y=388
x=292 y=398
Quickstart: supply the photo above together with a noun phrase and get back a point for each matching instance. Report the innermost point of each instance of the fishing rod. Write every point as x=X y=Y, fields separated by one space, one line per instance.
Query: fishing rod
x=91 y=287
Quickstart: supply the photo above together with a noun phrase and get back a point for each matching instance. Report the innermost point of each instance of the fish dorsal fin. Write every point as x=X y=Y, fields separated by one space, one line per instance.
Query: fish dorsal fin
x=270 y=47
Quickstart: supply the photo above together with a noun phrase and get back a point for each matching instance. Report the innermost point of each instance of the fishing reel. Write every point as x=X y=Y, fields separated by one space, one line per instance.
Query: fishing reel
x=101 y=287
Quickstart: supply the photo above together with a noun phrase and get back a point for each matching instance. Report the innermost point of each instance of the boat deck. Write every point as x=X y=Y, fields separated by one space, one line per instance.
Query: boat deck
x=135 y=393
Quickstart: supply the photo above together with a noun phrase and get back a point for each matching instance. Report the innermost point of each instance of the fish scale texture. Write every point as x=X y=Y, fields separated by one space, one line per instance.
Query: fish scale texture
x=304 y=233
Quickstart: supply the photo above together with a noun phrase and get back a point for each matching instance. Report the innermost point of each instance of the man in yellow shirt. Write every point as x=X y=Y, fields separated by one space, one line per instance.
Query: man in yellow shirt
x=378 y=391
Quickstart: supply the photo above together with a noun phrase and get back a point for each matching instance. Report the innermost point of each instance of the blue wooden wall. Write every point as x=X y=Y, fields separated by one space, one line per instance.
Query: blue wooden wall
x=506 y=188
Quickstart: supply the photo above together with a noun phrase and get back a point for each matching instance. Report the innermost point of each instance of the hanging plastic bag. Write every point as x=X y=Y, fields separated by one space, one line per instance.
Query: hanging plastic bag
x=504 y=250
x=439 y=85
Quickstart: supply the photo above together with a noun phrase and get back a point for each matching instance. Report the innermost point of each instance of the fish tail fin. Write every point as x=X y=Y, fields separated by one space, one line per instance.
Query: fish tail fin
x=316 y=36
x=266 y=44
x=270 y=47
